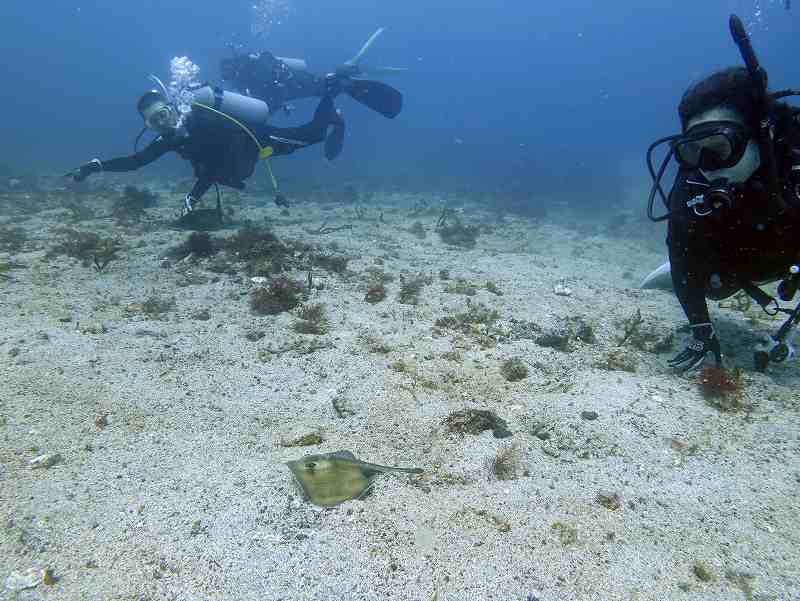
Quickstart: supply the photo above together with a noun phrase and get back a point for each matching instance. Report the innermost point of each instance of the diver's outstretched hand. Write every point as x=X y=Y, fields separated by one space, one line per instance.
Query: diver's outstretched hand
x=81 y=173
x=704 y=340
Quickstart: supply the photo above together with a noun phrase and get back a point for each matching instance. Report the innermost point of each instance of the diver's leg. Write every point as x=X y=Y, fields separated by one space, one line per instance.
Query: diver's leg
x=310 y=133
x=335 y=140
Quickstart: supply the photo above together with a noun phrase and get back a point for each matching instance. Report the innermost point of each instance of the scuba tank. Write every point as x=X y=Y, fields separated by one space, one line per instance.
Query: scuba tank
x=250 y=111
x=293 y=64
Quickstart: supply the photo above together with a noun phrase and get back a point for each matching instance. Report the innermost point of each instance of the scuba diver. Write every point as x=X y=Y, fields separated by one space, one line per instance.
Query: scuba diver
x=734 y=207
x=223 y=135
x=277 y=81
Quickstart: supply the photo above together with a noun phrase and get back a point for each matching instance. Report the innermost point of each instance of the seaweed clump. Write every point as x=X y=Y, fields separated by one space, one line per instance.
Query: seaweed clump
x=375 y=294
x=514 y=369
x=312 y=320
x=505 y=463
x=722 y=388
x=636 y=333
x=475 y=421
x=129 y=208
x=201 y=244
x=260 y=249
x=88 y=248
x=281 y=295
x=411 y=288
x=332 y=263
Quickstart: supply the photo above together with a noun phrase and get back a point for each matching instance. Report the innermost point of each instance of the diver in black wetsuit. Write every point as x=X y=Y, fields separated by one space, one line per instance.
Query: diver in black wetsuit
x=223 y=138
x=277 y=81
x=734 y=208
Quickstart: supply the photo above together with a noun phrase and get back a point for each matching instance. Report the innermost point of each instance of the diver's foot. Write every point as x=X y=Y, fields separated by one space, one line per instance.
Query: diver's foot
x=334 y=142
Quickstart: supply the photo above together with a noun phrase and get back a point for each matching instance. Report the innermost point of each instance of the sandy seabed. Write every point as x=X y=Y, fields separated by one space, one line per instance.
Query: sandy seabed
x=170 y=481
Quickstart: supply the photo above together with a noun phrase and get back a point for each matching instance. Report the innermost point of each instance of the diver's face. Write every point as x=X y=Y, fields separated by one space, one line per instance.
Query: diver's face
x=729 y=152
x=161 y=118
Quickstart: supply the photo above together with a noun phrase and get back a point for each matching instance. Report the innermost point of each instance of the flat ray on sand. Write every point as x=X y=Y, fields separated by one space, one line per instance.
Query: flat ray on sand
x=333 y=478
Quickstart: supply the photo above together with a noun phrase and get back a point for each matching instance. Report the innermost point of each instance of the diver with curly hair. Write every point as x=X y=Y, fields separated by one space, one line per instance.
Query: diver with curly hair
x=734 y=207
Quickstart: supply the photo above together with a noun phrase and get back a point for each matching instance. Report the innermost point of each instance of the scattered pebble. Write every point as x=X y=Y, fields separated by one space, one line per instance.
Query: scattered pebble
x=306 y=440
x=703 y=572
x=46 y=460
x=201 y=315
x=609 y=500
x=91 y=327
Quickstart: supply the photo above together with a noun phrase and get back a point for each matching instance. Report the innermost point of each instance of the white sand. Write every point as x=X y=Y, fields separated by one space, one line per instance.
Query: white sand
x=184 y=494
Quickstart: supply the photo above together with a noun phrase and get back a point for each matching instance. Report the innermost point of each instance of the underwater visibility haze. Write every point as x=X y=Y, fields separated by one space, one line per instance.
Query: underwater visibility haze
x=358 y=300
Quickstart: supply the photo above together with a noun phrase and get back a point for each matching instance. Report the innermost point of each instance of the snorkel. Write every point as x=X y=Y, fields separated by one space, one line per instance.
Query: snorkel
x=765 y=103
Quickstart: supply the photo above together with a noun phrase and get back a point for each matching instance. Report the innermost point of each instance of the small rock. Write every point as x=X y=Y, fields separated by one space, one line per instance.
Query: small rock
x=19 y=581
x=609 y=500
x=197 y=528
x=254 y=335
x=201 y=315
x=304 y=441
x=46 y=460
x=101 y=421
x=703 y=572
x=91 y=327
x=589 y=415
x=562 y=290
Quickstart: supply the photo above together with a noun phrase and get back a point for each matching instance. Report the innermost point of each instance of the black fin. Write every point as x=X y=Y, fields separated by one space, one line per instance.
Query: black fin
x=377 y=95
x=334 y=142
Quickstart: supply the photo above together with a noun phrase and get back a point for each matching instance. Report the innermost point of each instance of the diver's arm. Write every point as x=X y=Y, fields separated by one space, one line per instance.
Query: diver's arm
x=155 y=150
x=689 y=266
x=688 y=260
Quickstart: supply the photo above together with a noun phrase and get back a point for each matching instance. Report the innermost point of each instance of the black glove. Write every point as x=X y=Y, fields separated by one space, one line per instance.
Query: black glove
x=704 y=340
x=85 y=170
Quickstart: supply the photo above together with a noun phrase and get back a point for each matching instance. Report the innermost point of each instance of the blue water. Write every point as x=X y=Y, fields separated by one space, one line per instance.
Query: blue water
x=566 y=92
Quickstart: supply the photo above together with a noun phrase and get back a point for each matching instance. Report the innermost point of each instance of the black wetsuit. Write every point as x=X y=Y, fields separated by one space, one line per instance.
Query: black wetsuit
x=267 y=78
x=220 y=151
x=716 y=255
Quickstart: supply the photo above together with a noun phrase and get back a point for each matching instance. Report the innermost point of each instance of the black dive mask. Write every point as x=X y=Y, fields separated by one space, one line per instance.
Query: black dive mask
x=708 y=146
x=713 y=145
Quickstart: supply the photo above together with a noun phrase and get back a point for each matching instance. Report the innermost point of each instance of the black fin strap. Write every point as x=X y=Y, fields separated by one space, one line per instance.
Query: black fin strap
x=758 y=295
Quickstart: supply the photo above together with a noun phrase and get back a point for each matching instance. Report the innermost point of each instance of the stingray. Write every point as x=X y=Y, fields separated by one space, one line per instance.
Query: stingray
x=333 y=478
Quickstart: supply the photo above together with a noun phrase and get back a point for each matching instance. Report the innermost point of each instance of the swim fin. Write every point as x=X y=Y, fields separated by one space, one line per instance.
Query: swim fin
x=377 y=95
x=335 y=141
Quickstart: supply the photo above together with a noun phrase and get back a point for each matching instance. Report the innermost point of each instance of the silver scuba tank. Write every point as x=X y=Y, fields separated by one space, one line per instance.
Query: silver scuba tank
x=250 y=111
x=294 y=64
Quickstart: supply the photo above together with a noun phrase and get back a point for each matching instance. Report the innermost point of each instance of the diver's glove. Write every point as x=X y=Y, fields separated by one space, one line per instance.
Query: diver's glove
x=188 y=203
x=704 y=340
x=85 y=170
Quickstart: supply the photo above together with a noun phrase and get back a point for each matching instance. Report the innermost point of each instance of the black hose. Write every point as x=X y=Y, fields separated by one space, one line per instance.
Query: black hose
x=657 y=189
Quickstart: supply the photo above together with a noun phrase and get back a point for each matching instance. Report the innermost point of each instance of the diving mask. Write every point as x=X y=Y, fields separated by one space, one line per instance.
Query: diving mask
x=712 y=145
x=160 y=117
